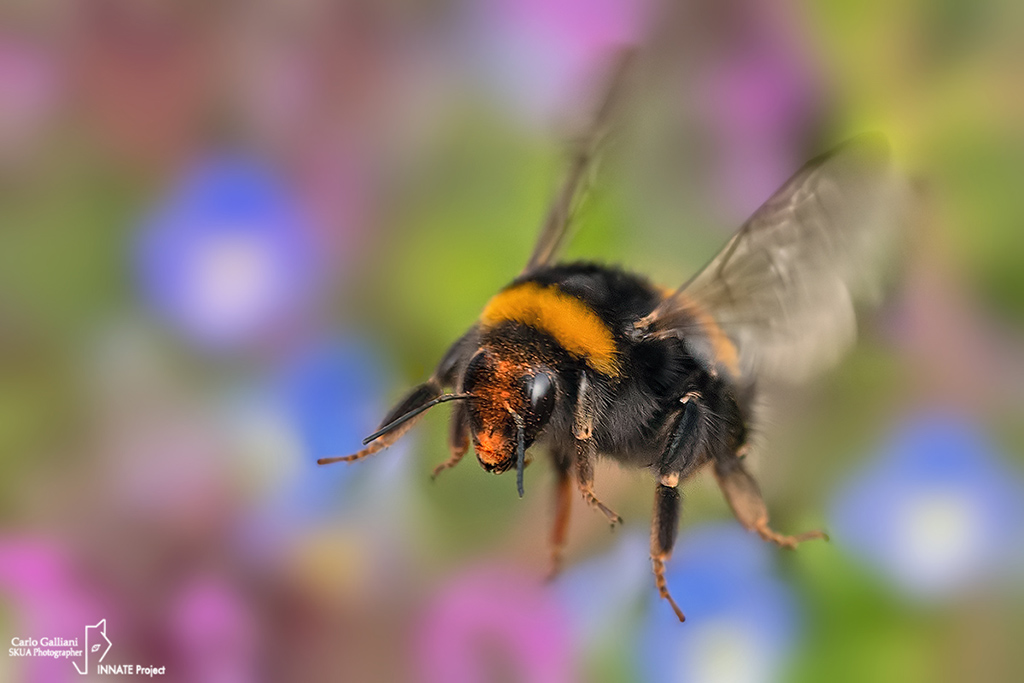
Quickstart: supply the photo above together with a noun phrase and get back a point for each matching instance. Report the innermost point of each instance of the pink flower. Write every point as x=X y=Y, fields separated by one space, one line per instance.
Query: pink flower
x=543 y=55
x=37 y=578
x=216 y=633
x=29 y=92
x=491 y=621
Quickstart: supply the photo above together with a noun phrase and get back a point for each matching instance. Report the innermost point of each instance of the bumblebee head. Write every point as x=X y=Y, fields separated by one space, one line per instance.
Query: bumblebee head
x=513 y=400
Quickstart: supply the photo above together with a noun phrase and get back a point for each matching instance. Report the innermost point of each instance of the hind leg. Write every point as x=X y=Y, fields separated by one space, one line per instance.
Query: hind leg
x=744 y=497
x=685 y=451
x=664 y=528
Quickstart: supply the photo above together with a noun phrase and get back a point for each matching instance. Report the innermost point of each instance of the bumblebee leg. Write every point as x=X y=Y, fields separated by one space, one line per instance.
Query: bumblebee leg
x=563 y=503
x=586 y=447
x=664 y=528
x=458 y=438
x=689 y=445
x=744 y=497
x=586 y=454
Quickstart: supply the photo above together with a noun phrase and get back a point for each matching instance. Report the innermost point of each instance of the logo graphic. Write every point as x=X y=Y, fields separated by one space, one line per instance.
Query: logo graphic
x=95 y=637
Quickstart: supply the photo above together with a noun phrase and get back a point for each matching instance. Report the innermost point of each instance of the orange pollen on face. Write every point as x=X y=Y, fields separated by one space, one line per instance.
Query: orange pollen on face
x=573 y=324
x=493 y=400
x=491 y=447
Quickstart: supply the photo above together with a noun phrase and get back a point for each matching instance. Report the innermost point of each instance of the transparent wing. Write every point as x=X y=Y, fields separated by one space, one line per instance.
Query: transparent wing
x=783 y=288
x=554 y=232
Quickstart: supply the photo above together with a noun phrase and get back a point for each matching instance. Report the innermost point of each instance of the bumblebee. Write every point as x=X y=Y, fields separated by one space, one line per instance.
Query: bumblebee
x=588 y=360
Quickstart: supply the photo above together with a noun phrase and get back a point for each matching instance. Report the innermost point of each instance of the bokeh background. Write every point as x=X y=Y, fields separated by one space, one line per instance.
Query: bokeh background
x=232 y=232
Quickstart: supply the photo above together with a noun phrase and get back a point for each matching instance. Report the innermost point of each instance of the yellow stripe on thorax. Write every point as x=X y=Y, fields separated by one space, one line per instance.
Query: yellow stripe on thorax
x=573 y=324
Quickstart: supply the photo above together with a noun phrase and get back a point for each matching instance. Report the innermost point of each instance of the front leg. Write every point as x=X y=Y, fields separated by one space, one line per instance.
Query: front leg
x=458 y=439
x=586 y=447
x=586 y=454
x=744 y=497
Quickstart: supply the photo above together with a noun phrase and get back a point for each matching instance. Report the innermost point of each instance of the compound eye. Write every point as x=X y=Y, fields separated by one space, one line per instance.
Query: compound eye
x=541 y=390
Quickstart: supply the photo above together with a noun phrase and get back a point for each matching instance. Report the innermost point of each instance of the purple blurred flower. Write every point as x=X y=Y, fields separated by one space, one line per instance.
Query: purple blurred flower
x=29 y=92
x=215 y=632
x=758 y=92
x=741 y=622
x=37 y=577
x=494 y=623
x=227 y=257
x=936 y=512
x=759 y=103
x=542 y=55
x=208 y=623
x=758 y=100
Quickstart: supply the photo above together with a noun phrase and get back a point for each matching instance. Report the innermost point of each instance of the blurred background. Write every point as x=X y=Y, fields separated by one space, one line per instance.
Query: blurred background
x=232 y=233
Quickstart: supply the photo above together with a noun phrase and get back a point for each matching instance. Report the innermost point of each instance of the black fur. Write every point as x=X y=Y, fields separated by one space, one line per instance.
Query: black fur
x=638 y=416
x=638 y=413
x=666 y=410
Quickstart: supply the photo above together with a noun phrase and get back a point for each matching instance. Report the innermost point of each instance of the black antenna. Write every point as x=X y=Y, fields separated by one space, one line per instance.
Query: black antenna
x=413 y=413
x=520 y=450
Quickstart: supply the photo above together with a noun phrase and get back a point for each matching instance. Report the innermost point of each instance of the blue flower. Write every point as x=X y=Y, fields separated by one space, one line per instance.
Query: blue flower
x=741 y=621
x=333 y=392
x=601 y=594
x=226 y=257
x=329 y=397
x=321 y=401
x=936 y=512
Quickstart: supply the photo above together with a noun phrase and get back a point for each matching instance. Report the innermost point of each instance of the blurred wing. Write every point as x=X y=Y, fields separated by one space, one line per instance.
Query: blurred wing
x=783 y=288
x=554 y=233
